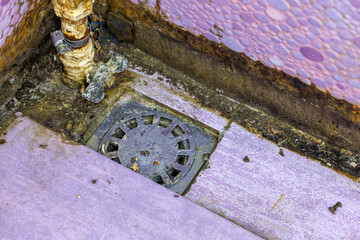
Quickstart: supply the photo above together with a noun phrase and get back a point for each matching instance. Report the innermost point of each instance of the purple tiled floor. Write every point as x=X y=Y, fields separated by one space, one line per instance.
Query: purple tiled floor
x=247 y=192
x=46 y=192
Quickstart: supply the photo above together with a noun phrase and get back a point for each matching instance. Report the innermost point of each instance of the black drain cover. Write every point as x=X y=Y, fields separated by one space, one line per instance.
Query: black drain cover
x=156 y=144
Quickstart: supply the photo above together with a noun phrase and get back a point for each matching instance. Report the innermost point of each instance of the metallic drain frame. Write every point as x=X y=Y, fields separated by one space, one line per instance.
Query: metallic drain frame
x=201 y=142
x=164 y=140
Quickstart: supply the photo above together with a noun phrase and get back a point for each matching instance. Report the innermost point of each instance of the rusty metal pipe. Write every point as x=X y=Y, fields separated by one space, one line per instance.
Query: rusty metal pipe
x=78 y=62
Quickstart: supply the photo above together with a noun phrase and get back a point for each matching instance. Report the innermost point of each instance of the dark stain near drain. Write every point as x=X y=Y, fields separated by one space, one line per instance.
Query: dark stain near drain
x=246 y=159
x=2 y=141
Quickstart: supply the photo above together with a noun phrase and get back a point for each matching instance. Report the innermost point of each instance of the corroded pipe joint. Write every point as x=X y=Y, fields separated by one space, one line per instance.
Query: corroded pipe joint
x=77 y=63
x=75 y=30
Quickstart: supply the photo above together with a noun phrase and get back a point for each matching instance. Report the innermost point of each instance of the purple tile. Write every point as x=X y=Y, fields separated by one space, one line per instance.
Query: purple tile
x=277 y=197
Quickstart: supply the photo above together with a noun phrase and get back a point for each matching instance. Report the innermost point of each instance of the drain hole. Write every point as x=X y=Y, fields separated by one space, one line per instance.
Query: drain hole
x=145 y=153
x=173 y=173
x=159 y=180
x=177 y=131
x=112 y=147
x=116 y=159
x=119 y=133
x=131 y=123
x=148 y=119
x=184 y=144
x=182 y=159
x=164 y=122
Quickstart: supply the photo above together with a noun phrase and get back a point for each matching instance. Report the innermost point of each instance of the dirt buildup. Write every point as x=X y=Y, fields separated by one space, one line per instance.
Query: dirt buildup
x=43 y=97
x=246 y=159
x=281 y=152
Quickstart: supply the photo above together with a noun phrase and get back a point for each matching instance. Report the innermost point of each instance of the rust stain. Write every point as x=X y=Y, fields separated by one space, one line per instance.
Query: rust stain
x=73 y=9
x=73 y=38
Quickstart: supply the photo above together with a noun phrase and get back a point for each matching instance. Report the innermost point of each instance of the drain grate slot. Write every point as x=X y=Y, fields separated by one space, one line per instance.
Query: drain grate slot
x=148 y=119
x=112 y=147
x=131 y=124
x=164 y=122
x=116 y=159
x=119 y=133
x=159 y=180
x=173 y=173
x=182 y=159
x=184 y=144
x=177 y=131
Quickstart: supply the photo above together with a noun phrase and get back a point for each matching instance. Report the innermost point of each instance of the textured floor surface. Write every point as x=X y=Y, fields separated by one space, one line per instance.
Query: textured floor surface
x=53 y=189
x=278 y=197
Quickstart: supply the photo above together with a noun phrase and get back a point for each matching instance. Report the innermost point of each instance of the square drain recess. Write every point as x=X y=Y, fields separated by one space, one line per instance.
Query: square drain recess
x=155 y=143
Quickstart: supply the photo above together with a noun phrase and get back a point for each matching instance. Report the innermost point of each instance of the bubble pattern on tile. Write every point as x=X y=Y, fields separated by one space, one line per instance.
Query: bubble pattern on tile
x=11 y=14
x=317 y=41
